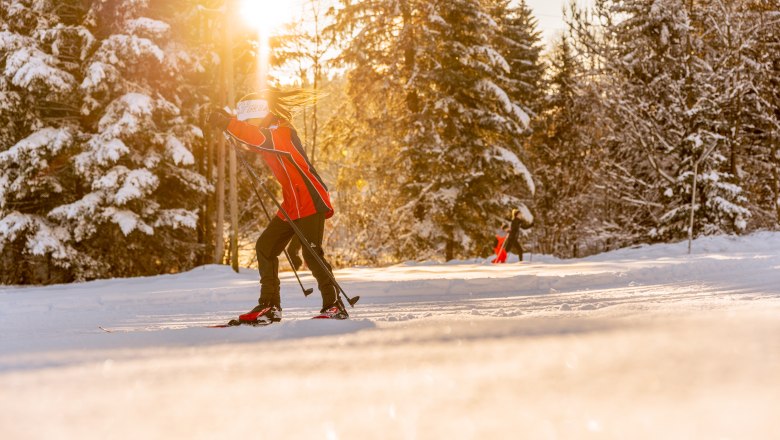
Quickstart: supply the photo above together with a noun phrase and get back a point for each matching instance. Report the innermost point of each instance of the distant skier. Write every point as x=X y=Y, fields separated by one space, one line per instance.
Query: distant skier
x=263 y=122
x=521 y=219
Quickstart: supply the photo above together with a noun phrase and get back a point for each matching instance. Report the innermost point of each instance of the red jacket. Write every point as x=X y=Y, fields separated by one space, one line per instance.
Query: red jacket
x=303 y=190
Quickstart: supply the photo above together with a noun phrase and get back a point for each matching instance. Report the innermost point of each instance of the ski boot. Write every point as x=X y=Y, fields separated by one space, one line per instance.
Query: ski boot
x=263 y=314
x=333 y=311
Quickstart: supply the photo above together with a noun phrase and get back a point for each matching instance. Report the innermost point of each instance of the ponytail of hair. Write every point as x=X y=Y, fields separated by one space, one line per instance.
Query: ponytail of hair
x=285 y=104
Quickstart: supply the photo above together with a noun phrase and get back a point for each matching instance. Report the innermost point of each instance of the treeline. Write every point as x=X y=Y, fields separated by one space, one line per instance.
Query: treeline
x=662 y=115
x=646 y=121
x=438 y=118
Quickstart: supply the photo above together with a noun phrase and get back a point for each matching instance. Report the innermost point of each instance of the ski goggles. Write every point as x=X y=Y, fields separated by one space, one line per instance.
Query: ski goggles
x=252 y=109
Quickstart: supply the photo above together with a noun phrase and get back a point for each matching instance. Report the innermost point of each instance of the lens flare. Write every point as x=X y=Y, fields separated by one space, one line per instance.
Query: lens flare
x=265 y=16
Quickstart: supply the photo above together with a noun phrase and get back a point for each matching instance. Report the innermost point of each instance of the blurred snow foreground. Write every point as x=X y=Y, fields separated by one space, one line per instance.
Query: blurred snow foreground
x=639 y=343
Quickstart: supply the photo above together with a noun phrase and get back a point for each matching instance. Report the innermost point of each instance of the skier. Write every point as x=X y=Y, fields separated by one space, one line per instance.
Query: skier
x=512 y=242
x=263 y=123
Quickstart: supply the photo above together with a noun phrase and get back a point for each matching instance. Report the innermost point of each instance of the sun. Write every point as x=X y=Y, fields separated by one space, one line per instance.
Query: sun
x=266 y=15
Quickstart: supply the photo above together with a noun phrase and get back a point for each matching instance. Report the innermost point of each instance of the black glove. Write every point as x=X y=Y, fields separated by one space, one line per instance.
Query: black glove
x=220 y=119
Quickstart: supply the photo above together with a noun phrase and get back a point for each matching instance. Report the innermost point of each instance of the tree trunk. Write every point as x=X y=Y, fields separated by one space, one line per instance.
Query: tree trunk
x=412 y=100
x=231 y=102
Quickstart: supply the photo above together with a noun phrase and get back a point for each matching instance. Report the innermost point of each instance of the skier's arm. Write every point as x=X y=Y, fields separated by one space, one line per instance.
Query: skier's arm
x=249 y=135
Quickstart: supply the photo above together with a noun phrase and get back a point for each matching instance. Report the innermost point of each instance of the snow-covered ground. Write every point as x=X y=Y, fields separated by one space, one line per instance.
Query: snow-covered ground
x=639 y=343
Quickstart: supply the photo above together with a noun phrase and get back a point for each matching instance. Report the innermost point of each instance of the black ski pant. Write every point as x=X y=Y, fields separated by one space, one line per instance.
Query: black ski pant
x=515 y=247
x=293 y=250
x=271 y=244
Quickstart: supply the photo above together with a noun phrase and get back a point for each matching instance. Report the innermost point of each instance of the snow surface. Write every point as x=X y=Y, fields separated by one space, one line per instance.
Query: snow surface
x=638 y=343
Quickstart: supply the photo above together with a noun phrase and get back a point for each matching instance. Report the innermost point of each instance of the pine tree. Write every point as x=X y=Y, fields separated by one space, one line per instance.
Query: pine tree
x=38 y=85
x=747 y=42
x=565 y=159
x=138 y=186
x=454 y=156
x=665 y=99
x=379 y=41
x=364 y=185
x=426 y=87
x=518 y=40
x=97 y=176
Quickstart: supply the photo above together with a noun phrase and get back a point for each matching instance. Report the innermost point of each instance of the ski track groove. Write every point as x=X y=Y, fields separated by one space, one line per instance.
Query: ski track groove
x=524 y=304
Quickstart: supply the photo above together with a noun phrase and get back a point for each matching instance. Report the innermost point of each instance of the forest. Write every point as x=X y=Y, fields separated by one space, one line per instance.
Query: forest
x=646 y=121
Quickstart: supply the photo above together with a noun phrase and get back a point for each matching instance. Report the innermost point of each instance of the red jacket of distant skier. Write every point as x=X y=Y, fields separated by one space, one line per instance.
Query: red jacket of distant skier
x=303 y=190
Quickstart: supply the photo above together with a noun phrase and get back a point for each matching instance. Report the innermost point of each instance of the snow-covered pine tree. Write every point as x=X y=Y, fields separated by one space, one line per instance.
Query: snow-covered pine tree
x=453 y=162
x=378 y=42
x=666 y=102
x=425 y=89
x=41 y=47
x=747 y=36
x=565 y=158
x=767 y=53
x=519 y=40
x=138 y=193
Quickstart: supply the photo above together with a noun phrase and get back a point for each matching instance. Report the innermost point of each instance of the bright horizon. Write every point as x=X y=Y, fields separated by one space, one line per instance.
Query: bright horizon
x=549 y=14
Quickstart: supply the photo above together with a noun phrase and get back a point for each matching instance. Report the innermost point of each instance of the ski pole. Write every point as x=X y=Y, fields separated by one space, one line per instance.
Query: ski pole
x=295 y=228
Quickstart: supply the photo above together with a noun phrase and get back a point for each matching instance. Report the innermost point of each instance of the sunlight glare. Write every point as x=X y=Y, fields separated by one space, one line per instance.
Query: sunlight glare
x=266 y=15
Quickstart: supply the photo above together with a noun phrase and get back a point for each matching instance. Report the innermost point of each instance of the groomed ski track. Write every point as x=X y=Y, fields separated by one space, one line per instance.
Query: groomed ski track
x=638 y=343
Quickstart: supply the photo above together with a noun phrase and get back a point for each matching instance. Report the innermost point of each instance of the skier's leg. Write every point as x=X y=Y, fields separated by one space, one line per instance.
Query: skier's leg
x=268 y=247
x=505 y=252
x=313 y=228
x=293 y=249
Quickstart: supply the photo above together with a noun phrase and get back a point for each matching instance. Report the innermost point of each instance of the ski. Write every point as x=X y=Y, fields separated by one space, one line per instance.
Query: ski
x=237 y=323
x=337 y=312
x=231 y=323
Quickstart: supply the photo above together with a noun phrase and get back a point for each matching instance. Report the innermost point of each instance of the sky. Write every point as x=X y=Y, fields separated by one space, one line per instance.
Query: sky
x=549 y=13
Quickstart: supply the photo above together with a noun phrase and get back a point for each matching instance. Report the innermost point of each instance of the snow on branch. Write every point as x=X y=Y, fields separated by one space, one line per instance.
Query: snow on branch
x=29 y=67
x=178 y=152
x=509 y=107
x=517 y=166
x=493 y=57
x=177 y=219
x=147 y=27
x=127 y=185
x=100 y=152
x=127 y=221
x=31 y=149
x=42 y=238
x=81 y=213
